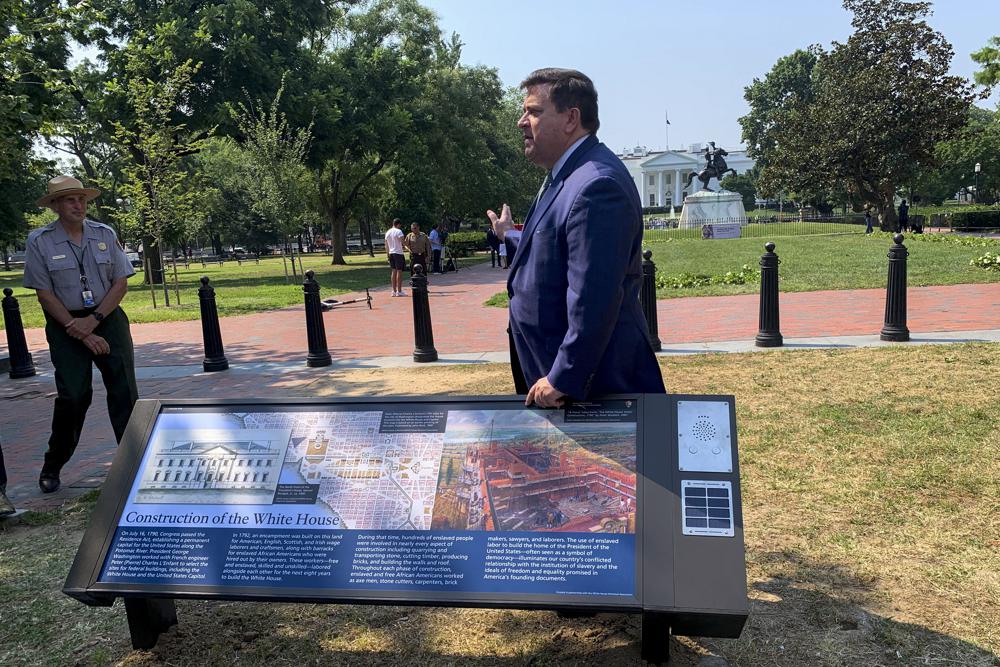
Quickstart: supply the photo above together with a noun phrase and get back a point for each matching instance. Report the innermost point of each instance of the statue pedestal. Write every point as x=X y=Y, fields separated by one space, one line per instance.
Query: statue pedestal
x=704 y=207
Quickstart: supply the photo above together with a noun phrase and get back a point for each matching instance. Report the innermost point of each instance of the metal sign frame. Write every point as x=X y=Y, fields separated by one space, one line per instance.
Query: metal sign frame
x=693 y=585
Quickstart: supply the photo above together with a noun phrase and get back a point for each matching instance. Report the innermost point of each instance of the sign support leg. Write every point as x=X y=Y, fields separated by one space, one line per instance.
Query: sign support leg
x=655 y=648
x=148 y=618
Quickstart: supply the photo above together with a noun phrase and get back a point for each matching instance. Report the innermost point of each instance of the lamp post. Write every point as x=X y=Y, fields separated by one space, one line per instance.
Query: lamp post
x=975 y=195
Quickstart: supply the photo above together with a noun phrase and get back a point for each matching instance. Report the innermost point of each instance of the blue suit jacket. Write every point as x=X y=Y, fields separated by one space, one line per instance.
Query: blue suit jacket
x=574 y=282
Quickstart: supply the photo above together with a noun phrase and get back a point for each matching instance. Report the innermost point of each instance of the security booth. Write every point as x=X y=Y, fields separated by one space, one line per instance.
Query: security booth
x=623 y=504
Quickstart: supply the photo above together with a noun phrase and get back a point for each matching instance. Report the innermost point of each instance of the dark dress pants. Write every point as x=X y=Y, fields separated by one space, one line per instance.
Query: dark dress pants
x=418 y=259
x=74 y=377
x=520 y=384
x=437 y=260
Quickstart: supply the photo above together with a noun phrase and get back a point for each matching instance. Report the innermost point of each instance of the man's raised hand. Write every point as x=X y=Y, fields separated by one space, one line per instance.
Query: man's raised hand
x=501 y=224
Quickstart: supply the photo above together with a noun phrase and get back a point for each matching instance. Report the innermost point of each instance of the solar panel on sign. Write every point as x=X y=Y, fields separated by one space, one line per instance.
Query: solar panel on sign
x=707 y=508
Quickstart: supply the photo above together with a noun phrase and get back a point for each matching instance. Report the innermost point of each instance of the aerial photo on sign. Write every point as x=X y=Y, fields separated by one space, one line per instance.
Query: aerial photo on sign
x=531 y=471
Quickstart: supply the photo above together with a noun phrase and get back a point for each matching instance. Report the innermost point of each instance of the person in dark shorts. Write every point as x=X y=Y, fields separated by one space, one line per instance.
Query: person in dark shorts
x=397 y=260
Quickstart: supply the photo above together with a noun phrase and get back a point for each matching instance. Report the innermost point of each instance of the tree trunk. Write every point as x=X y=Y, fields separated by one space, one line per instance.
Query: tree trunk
x=338 y=240
x=177 y=284
x=163 y=275
x=216 y=245
x=154 y=276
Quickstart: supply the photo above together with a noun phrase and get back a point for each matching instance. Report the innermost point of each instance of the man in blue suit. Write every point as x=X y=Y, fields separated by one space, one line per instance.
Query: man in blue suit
x=577 y=328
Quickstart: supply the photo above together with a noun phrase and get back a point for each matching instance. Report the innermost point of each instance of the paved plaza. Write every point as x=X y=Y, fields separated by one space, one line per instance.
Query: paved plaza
x=267 y=352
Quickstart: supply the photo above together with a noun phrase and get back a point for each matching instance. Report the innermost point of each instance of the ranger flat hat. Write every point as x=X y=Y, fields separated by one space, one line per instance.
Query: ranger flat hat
x=60 y=186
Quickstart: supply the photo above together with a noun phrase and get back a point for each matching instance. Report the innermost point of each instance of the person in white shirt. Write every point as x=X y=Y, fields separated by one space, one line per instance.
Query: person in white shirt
x=397 y=261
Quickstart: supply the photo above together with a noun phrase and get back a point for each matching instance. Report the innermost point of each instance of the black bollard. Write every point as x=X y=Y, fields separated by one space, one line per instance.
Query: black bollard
x=319 y=355
x=894 y=328
x=647 y=296
x=215 y=355
x=21 y=364
x=423 y=334
x=769 y=332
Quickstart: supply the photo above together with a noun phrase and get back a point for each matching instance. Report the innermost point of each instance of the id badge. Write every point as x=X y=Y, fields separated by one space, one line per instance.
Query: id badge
x=88 y=298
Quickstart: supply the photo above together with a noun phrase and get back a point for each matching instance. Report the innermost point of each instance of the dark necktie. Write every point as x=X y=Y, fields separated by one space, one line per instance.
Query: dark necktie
x=545 y=186
x=541 y=191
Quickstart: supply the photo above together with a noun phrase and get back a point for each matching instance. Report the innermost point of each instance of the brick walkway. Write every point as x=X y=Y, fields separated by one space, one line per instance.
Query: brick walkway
x=461 y=325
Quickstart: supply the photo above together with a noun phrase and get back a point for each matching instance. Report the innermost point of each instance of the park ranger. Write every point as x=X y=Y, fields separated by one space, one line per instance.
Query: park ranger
x=80 y=275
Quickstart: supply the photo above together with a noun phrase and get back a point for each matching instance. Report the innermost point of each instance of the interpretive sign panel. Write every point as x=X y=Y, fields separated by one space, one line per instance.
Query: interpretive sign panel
x=471 y=502
x=724 y=230
x=444 y=498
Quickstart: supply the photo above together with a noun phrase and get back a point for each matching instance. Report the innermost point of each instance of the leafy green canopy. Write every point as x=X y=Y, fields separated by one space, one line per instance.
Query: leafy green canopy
x=989 y=58
x=398 y=125
x=861 y=119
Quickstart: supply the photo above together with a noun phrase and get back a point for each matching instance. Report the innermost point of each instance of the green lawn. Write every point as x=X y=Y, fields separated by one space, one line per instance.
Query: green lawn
x=249 y=288
x=761 y=231
x=816 y=262
x=869 y=510
x=819 y=262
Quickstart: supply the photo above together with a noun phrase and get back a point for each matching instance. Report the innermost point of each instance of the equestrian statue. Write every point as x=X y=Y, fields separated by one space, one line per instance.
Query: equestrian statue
x=716 y=167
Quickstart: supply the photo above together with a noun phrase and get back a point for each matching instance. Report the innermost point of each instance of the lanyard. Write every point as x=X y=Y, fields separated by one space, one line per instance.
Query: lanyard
x=79 y=262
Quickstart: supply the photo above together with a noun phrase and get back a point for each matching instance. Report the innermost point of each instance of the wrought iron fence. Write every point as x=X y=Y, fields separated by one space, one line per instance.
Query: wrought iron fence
x=659 y=229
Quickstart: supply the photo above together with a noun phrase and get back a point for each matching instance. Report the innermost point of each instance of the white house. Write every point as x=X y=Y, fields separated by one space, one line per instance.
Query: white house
x=212 y=464
x=661 y=176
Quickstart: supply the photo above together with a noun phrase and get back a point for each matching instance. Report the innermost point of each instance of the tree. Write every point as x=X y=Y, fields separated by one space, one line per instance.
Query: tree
x=789 y=84
x=275 y=177
x=33 y=49
x=989 y=58
x=364 y=99
x=229 y=217
x=977 y=142
x=478 y=151
x=241 y=46
x=871 y=116
x=163 y=199
x=743 y=184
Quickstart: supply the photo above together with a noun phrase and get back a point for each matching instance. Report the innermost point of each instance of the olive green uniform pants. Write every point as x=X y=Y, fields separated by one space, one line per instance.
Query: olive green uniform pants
x=73 y=364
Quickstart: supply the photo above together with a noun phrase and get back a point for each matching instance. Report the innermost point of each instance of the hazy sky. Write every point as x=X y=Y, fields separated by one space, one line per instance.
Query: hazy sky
x=643 y=54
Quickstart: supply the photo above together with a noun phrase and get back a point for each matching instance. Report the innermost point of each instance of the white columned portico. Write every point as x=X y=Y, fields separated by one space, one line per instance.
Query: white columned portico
x=678 y=199
x=645 y=197
x=660 y=195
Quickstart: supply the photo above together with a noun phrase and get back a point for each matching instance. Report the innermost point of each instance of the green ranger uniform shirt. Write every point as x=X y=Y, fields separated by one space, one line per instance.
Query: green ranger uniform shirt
x=52 y=262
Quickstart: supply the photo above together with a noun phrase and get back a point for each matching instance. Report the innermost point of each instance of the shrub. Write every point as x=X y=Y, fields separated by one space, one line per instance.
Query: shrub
x=973 y=219
x=462 y=244
x=947 y=239
x=746 y=274
x=989 y=261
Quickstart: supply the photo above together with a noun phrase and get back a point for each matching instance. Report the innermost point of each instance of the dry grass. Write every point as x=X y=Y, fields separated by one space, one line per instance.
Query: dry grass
x=871 y=486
